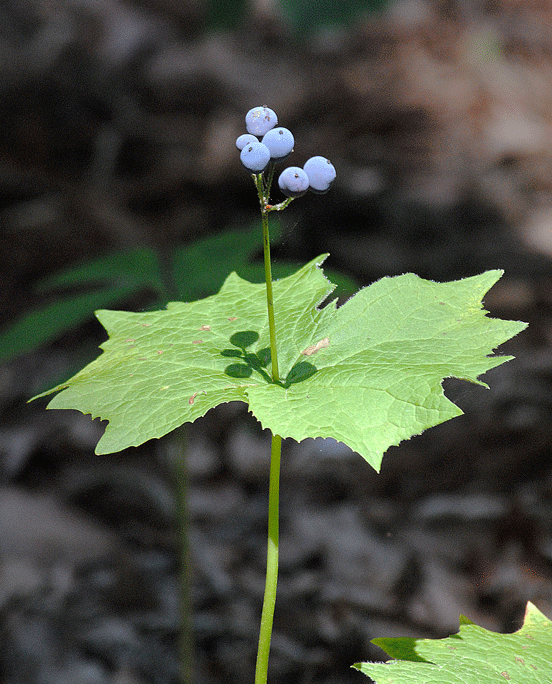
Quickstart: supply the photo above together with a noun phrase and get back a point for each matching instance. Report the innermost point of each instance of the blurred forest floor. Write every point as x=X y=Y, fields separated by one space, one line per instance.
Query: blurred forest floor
x=117 y=130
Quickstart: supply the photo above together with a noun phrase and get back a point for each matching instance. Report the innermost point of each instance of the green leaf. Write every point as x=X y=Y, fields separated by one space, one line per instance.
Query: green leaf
x=345 y=286
x=114 y=278
x=201 y=267
x=225 y=14
x=473 y=656
x=140 y=267
x=46 y=323
x=309 y=15
x=198 y=269
x=368 y=374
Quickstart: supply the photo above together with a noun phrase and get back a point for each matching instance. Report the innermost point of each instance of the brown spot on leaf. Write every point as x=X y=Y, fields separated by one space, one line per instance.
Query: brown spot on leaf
x=233 y=318
x=520 y=660
x=205 y=327
x=309 y=351
x=192 y=398
x=159 y=351
x=146 y=325
x=505 y=675
x=197 y=342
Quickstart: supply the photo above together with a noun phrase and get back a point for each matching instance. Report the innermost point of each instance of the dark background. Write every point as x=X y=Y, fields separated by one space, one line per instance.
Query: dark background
x=117 y=130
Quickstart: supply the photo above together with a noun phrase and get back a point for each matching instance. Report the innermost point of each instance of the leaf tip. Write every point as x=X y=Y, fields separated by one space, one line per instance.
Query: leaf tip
x=321 y=259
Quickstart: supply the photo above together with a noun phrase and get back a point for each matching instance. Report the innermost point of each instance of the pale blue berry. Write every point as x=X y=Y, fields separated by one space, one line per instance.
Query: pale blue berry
x=293 y=182
x=280 y=143
x=321 y=173
x=255 y=157
x=260 y=120
x=244 y=139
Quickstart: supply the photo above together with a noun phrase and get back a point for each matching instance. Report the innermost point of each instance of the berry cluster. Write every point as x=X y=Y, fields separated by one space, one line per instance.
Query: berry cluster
x=276 y=144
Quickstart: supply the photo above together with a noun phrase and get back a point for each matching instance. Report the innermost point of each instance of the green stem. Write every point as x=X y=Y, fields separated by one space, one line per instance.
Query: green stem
x=267 y=617
x=269 y=602
x=270 y=300
x=270 y=176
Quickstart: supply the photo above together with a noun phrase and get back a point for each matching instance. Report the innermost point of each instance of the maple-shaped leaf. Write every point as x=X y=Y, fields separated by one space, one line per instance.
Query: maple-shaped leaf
x=472 y=656
x=367 y=373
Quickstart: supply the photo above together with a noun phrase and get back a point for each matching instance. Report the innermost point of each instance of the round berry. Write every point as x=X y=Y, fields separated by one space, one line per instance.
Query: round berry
x=255 y=157
x=321 y=173
x=280 y=143
x=260 y=120
x=244 y=139
x=293 y=182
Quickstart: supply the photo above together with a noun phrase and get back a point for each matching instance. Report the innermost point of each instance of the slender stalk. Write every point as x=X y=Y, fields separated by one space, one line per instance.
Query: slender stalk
x=269 y=601
x=270 y=177
x=270 y=300
x=267 y=616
